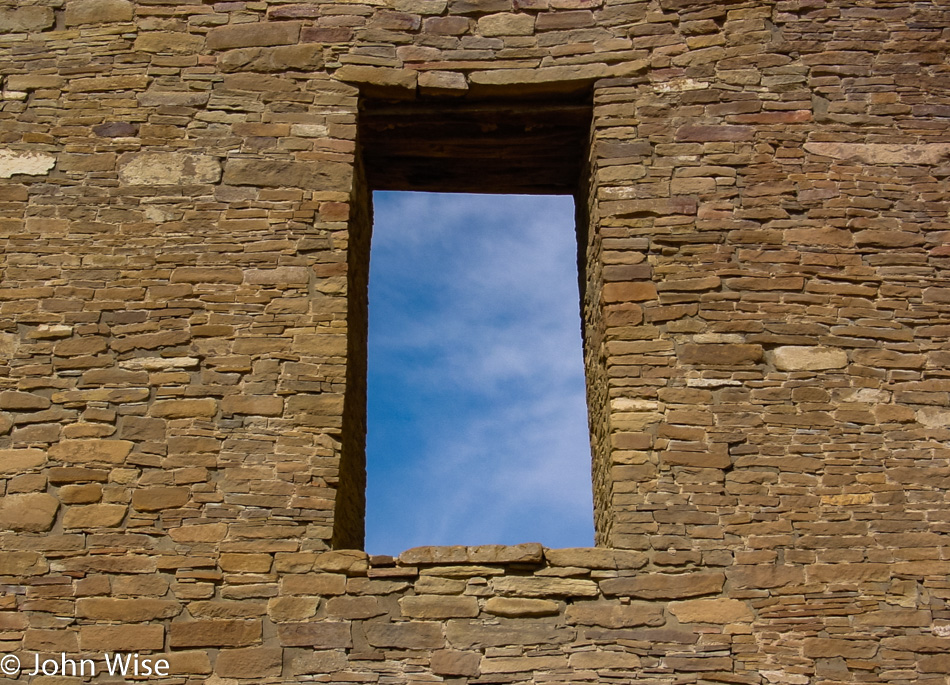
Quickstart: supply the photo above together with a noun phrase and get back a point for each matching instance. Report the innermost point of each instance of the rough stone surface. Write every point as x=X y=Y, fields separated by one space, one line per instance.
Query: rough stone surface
x=438 y=607
x=160 y=42
x=13 y=462
x=168 y=168
x=665 y=585
x=883 y=153
x=250 y=662
x=798 y=358
x=14 y=162
x=711 y=611
x=26 y=18
x=514 y=608
x=761 y=193
x=94 y=516
x=91 y=450
x=29 y=513
x=122 y=638
x=253 y=34
x=98 y=11
x=303 y=57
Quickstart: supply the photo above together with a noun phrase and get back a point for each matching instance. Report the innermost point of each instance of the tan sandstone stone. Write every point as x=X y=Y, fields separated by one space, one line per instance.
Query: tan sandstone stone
x=209 y=532
x=512 y=607
x=438 y=607
x=13 y=162
x=454 y=662
x=253 y=34
x=255 y=405
x=29 y=513
x=158 y=498
x=544 y=587
x=17 y=461
x=182 y=409
x=603 y=659
x=305 y=56
x=246 y=563
x=803 y=358
x=173 y=43
x=316 y=634
x=614 y=615
x=666 y=585
x=134 y=610
x=168 y=168
x=121 y=638
x=883 y=153
x=506 y=24
x=91 y=451
x=718 y=611
x=347 y=561
x=292 y=609
x=94 y=516
x=214 y=633
x=22 y=564
x=97 y=11
x=249 y=662
x=818 y=647
x=414 y=635
x=26 y=18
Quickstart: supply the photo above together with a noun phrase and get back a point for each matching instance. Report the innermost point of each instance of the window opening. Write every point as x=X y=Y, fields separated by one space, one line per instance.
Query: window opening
x=477 y=417
x=509 y=141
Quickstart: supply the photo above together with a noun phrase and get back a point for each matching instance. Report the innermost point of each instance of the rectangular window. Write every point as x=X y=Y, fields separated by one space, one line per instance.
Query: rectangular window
x=505 y=362
x=477 y=426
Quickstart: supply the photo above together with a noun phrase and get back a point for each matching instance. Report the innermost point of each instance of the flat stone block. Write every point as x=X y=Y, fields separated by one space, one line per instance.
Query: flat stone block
x=253 y=34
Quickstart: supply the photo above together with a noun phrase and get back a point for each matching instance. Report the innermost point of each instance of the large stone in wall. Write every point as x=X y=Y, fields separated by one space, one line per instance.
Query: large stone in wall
x=807 y=358
x=30 y=513
x=249 y=662
x=719 y=354
x=306 y=56
x=719 y=611
x=506 y=24
x=253 y=35
x=25 y=19
x=377 y=76
x=125 y=638
x=883 y=153
x=516 y=607
x=168 y=168
x=22 y=564
x=467 y=634
x=438 y=607
x=173 y=98
x=614 y=615
x=91 y=450
x=934 y=417
x=8 y=345
x=17 y=461
x=215 y=633
x=666 y=585
x=14 y=162
x=167 y=42
x=94 y=516
x=98 y=11
x=134 y=610
x=278 y=173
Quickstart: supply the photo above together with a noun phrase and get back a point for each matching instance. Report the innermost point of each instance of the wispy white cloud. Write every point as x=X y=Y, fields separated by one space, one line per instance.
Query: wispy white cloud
x=478 y=424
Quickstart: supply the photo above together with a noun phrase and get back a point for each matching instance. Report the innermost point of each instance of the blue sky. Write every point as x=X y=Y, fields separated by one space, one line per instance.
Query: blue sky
x=477 y=427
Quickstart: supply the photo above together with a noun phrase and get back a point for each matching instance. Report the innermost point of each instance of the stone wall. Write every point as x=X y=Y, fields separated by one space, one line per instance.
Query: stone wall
x=763 y=219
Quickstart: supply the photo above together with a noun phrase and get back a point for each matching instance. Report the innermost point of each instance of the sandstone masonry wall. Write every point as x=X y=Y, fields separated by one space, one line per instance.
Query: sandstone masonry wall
x=185 y=225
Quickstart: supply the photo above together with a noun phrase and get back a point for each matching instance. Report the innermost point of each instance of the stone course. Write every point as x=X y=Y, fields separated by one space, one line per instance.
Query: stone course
x=762 y=218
